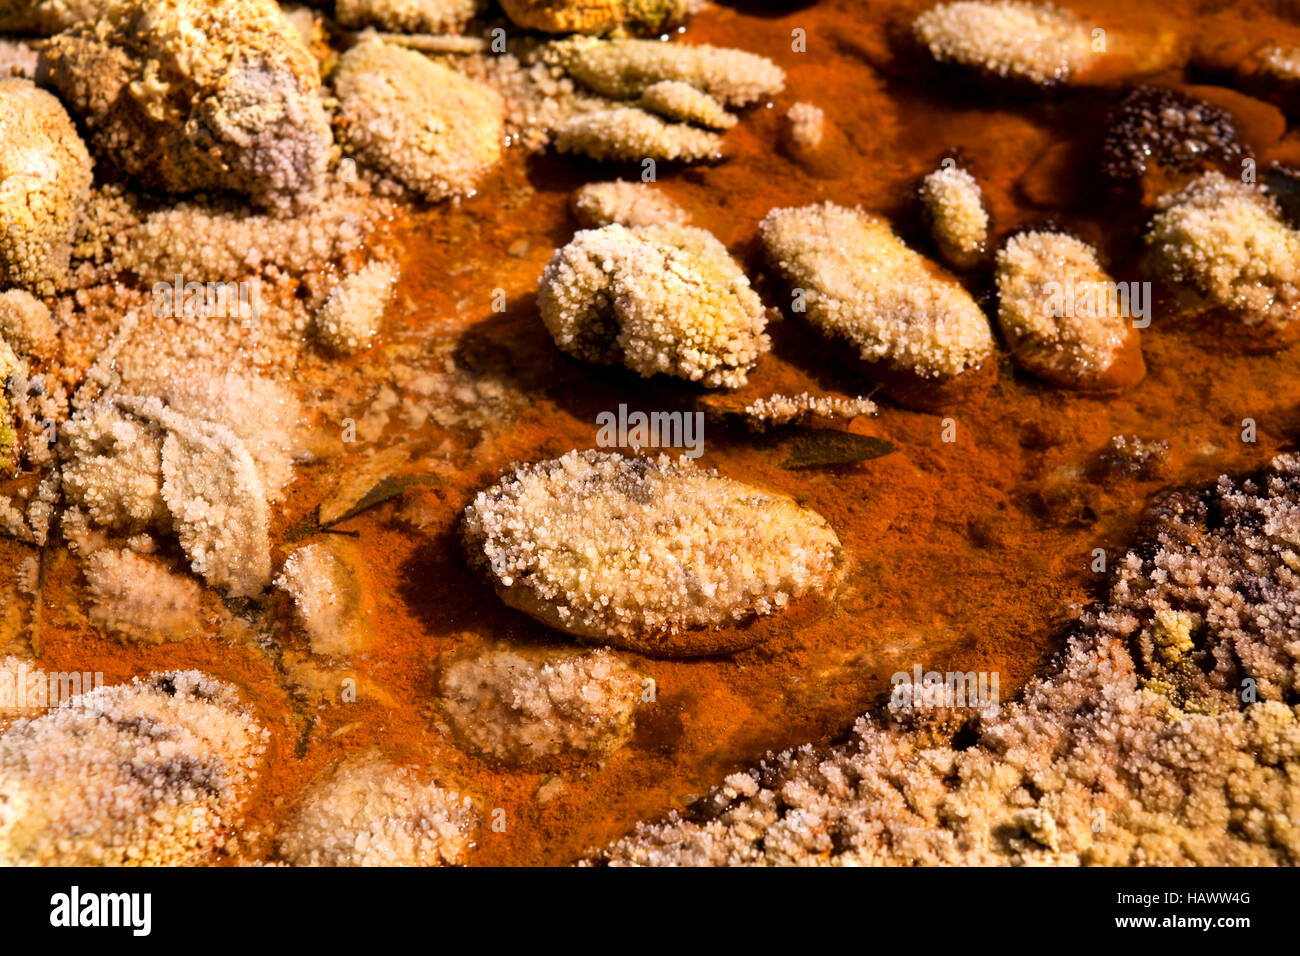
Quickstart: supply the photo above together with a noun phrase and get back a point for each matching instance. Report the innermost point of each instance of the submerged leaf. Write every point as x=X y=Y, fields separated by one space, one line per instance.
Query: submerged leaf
x=823 y=447
x=387 y=489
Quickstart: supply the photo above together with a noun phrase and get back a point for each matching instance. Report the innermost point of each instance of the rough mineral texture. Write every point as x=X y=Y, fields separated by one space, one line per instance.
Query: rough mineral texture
x=239 y=112
x=415 y=122
x=371 y=812
x=523 y=708
x=44 y=183
x=1038 y=44
x=1167 y=734
x=148 y=773
x=860 y=283
x=658 y=299
x=625 y=550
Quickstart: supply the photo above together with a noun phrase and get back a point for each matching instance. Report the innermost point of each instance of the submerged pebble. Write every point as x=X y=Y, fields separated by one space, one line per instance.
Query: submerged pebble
x=625 y=69
x=631 y=135
x=369 y=811
x=627 y=204
x=522 y=708
x=1007 y=39
x=1223 y=243
x=954 y=208
x=329 y=597
x=351 y=315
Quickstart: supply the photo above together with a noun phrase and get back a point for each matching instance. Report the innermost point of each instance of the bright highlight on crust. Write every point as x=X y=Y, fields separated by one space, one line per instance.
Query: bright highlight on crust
x=1223 y=241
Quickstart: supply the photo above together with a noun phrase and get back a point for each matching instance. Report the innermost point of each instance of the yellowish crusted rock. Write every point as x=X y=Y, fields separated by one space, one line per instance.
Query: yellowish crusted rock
x=44 y=183
x=26 y=325
x=682 y=102
x=350 y=318
x=627 y=204
x=523 y=708
x=370 y=812
x=633 y=135
x=631 y=550
x=408 y=16
x=151 y=773
x=191 y=95
x=623 y=69
x=1223 y=241
x=1062 y=314
x=860 y=283
x=598 y=16
x=659 y=299
x=1012 y=39
x=416 y=122
x=958 y=220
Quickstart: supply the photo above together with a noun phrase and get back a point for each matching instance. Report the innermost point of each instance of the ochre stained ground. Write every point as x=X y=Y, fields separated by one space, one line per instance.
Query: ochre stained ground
x=964 y=556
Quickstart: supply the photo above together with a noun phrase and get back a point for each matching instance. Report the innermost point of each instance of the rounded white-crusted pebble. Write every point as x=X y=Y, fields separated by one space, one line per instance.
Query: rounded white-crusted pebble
x=1062 y=315
x=648 y=554
x=659 y=299
x=523 y=707
x=353 y=312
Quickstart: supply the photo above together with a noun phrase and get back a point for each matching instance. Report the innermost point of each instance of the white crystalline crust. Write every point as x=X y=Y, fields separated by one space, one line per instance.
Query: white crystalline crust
x=135 y=464
x=863 y=285
x=148 y=773
x=659 y=299
x=597 y=544
x=632 y=134
x=408 y=16
x=522 y=709
x=370 y=812
x=351 y=316
x=627 y=204
x=954 y=203
x=682 y=102
x=416 y=122
x=1224 y=241
x=139 y=598
x=781 y=409
x=1030 y=268
x=1008 y=38
x=806 y=125
x=623 y=69
x=1102 y=762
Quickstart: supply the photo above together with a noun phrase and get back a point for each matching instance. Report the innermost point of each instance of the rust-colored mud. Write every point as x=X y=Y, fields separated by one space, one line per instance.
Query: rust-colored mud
x=963 y=556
